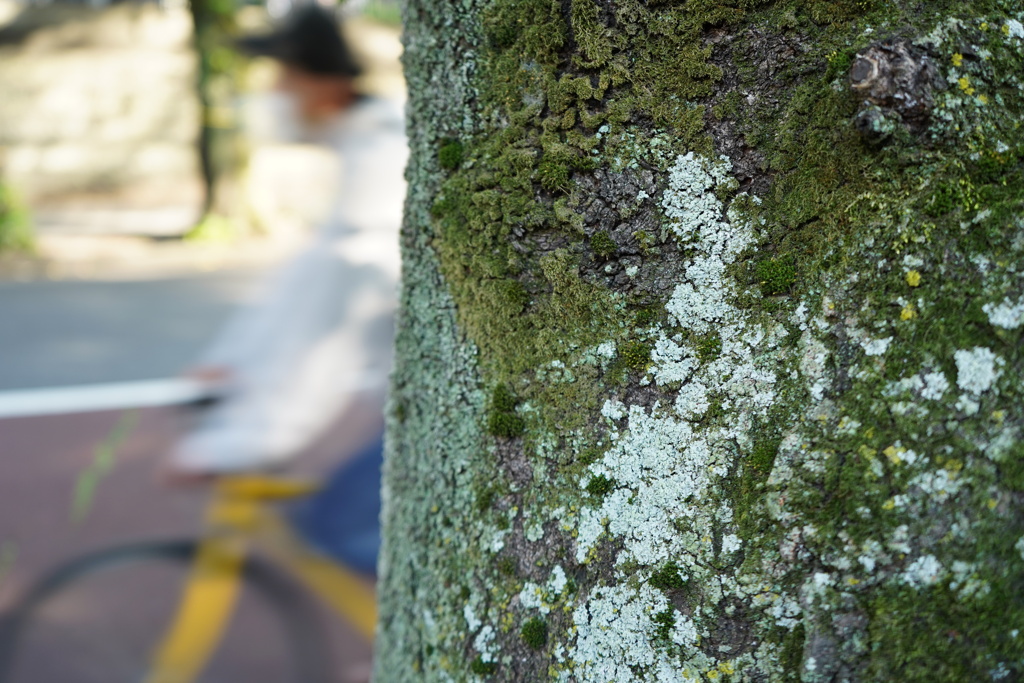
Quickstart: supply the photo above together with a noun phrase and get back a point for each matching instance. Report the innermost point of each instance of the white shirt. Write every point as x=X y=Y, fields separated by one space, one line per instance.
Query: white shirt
x=324 y=327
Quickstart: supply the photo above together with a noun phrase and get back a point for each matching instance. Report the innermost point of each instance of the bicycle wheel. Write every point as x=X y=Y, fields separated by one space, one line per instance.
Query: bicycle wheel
x=97 y=619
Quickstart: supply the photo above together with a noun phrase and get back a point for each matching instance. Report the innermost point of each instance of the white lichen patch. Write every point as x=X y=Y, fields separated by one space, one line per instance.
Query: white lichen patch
x=613 y=410
x=930 y=385
x=924 y=571
x=485 y=645
x=558 y=581
x=615 y=632
x=472 y=621
x=977 y=369
x=938 y=485
x=497 y=540
x=813 y=364
x=555 y=372
x=731 y=543
x=689 y=202
x=660 y=468
x=847 y=426
x=967 y=582
x=606 y=350
x=816 y=587
x=532 y=597
x=544 y=598
x=912 y=262
x=599 y=356
x=876 y=347
x=667 y=468
x=784 y=610
x=999 y=447
x=898 y=455
x=935 y=385
x=692 y=400
x=672 y=362
x=696 y=216
x=533 y=531
x=1006 y=314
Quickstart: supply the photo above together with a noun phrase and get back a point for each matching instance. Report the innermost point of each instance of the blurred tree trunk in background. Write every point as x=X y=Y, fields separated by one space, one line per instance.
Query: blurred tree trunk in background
x=221 y=146
x=709 y=356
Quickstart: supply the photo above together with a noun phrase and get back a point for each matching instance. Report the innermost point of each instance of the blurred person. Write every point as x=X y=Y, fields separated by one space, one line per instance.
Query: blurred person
x=282 y=369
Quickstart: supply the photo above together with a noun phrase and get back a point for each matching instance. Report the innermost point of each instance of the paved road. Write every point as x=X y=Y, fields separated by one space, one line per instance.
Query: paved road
x=42 y=458
x=71 y=332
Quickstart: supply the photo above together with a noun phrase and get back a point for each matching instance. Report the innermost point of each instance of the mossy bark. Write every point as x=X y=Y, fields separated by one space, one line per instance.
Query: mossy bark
x=709 y=356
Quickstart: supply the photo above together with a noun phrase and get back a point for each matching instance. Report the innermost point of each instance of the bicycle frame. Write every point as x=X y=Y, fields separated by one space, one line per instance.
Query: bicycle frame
x=239 y=518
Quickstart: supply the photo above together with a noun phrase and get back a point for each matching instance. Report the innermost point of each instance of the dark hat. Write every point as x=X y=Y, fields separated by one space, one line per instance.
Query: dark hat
x=309 y=39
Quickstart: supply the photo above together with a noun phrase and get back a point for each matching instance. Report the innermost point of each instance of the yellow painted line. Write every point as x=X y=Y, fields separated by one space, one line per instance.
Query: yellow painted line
x=346 y=592
x=205 y=609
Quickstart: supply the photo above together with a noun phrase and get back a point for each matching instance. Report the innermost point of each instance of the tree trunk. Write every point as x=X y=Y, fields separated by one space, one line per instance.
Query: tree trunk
x=709 y=357
x=219 y=145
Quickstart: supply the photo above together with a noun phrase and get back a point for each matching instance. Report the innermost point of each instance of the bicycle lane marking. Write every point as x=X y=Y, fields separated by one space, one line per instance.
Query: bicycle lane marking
x=89 y=398
x=98 y=397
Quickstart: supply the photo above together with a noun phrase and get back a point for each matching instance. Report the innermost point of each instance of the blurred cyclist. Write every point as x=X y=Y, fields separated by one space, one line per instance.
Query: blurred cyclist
x=284 y=367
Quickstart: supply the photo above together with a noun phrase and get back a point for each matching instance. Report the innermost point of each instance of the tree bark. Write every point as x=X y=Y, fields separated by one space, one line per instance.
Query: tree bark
x=219 y=145
x=709 y=354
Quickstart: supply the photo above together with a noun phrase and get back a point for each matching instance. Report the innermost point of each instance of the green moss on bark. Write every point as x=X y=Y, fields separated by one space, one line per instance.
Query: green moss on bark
x=502 y=419
x=534 y=633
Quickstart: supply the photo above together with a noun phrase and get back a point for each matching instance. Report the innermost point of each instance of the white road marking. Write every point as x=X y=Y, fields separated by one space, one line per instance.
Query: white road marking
x=96 y=397
x=89 y=398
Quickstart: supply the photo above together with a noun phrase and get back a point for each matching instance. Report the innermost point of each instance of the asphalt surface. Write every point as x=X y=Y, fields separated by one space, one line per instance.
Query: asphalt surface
x=42 y=461
x=71 y=332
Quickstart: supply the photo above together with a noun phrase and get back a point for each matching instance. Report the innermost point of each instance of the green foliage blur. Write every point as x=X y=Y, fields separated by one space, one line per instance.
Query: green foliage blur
x=104 y=458
x=15 y=223
x=8 y=556
x=384 y=12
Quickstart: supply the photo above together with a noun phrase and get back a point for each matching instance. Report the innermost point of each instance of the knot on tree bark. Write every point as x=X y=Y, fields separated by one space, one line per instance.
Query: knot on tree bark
x=896 y=80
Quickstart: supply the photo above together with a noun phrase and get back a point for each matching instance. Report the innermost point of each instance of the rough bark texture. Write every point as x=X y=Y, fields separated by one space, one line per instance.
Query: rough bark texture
x=709 y=359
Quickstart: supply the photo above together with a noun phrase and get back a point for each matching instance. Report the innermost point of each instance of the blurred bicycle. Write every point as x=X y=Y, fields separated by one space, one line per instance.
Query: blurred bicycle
x=164 y=611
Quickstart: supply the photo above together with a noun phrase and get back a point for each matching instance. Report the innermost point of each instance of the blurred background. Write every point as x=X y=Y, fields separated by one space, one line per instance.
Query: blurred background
x=145 y=193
